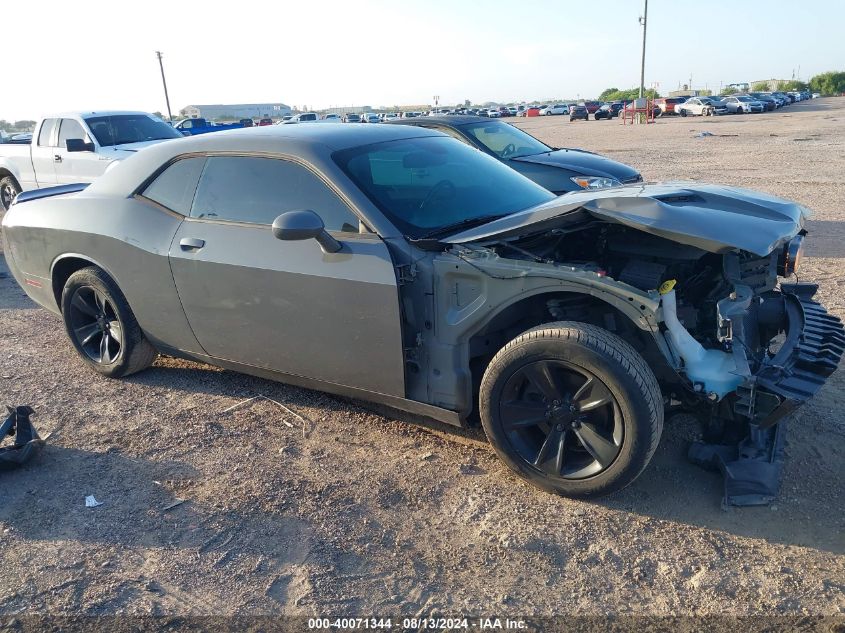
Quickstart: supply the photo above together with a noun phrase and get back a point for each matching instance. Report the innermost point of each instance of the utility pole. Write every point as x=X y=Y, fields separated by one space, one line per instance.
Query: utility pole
x=167 y=98
x=643 y=21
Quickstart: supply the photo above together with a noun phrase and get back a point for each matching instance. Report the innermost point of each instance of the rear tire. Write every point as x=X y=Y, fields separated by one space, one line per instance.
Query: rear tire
x=572 y=408
x=9 y=188
x=102 y=327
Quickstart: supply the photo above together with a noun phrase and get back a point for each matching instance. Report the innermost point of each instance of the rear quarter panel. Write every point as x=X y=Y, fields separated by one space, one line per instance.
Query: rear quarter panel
x=126 y=237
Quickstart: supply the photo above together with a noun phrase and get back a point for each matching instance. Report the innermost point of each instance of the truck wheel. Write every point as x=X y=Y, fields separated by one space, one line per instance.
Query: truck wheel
x=8 y=190
x=572 y=408
x=102 y=327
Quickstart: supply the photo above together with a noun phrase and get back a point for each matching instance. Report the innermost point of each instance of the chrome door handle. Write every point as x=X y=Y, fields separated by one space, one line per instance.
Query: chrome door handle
x=191 y=243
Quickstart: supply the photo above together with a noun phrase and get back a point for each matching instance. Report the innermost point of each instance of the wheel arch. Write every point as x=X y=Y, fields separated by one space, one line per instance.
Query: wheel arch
x=5 y=171
x=65 y=265
x=546 y=305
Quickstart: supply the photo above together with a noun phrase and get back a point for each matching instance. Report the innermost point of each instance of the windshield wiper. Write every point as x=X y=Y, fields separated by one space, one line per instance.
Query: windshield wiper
x=466 y=223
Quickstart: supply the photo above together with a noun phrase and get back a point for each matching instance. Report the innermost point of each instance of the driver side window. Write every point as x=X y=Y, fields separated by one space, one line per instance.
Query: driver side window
x=257 y=190
x=71 y=129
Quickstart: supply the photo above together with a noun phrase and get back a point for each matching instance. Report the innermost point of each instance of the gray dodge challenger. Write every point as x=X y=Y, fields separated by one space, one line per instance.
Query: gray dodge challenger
x=398 y=265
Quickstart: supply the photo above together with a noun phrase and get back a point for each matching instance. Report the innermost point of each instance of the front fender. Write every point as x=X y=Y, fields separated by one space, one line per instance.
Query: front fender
x=472 y=289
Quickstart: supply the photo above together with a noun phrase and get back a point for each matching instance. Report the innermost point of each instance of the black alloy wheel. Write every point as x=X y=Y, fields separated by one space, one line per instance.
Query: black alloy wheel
x=561 y=419
x=95 y=325
x=102 y=326
x=572 y=408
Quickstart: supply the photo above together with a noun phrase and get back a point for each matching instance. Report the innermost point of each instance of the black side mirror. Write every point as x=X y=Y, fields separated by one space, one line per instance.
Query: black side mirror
x=78 y=145
x=304 y=225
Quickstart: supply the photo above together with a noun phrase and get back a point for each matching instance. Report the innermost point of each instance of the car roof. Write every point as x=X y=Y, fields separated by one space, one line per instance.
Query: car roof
x=273 y=139
x=84 y=114
x=336 y=136
x=453 y=120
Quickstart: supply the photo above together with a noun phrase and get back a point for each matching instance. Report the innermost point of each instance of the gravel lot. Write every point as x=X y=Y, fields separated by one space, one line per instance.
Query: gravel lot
x=358 y=512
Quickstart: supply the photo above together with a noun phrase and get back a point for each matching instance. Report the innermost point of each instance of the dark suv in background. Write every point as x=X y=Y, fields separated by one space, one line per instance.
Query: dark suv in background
x=578 y=111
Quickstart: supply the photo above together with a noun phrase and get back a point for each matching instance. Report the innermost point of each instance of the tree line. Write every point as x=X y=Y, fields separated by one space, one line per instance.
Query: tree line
x=17 y=127
x=826 y=84
x=829 y=83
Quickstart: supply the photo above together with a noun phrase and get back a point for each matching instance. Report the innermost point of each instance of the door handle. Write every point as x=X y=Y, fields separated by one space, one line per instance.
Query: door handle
x=191 y=243
x=57 y=158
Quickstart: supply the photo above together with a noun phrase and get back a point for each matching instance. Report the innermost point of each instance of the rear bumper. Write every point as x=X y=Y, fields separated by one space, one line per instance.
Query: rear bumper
x=811 y=351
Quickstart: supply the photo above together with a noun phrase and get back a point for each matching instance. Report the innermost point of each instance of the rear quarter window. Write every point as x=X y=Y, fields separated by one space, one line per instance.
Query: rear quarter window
x=174 y=188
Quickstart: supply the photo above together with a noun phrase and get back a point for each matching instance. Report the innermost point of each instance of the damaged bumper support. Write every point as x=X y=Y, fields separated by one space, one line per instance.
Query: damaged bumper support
x=813 y=345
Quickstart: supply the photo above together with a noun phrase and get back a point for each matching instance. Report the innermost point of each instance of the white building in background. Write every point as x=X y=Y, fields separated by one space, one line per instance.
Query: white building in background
x=236 y=111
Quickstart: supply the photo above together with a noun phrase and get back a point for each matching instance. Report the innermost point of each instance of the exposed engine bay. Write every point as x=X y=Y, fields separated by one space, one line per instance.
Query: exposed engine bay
x=744 y=346
x=704 y=284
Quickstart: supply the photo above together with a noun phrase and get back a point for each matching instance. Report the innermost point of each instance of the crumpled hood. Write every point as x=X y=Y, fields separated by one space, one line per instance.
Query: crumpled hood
x=711 y=217
x=581 y=162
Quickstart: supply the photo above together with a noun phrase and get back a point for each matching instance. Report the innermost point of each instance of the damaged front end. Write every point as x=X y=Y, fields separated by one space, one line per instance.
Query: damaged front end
x=784 y=345
x=743 y=348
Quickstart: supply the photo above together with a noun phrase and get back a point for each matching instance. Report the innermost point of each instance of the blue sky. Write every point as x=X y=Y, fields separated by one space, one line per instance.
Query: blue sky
x=328 y=53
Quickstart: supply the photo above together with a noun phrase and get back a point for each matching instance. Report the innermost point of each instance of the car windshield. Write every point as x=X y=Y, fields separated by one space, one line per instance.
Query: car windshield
x=120 y=129
x=745 y=99
x=505 y=140
x=424 y=185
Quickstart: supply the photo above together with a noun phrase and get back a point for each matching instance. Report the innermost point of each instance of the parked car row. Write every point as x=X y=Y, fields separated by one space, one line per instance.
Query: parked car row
x=669 y=105
x=349 y=117
x=748 y=103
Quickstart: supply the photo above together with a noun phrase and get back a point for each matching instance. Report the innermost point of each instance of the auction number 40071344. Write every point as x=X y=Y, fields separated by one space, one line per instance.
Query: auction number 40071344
x=414 y=624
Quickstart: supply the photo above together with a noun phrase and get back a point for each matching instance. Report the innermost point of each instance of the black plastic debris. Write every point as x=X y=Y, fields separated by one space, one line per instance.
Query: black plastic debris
x=26 y=443
x=751 y=469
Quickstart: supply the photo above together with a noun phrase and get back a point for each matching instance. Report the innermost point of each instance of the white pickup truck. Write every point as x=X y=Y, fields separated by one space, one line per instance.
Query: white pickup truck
x=75 y=147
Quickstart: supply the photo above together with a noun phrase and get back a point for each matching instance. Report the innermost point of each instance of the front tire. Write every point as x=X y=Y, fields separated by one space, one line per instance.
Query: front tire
x=572 y=408
x=102 y=327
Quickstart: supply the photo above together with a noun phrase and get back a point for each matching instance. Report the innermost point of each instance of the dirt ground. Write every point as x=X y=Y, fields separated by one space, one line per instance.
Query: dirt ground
x=356 y=512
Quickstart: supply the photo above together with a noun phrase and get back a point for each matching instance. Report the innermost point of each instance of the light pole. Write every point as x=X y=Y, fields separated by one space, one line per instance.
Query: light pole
x=643 y=22
x=166 y=98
